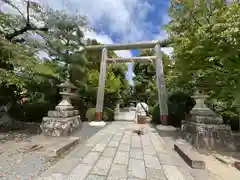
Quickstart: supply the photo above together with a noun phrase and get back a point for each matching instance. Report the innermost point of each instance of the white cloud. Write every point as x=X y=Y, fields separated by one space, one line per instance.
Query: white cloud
x=168 y=51
x=105 y=39
x=125 y=19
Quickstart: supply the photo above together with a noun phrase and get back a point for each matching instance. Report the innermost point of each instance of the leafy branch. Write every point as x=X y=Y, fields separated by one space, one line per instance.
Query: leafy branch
x=28 y=25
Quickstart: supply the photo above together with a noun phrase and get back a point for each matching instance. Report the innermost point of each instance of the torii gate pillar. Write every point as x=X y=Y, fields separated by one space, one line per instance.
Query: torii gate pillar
x=162 y=93
x=100 y=93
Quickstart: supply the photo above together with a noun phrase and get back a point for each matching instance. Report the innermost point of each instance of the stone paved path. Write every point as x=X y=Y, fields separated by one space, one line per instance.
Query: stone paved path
x=126 y=115
x=116 y=153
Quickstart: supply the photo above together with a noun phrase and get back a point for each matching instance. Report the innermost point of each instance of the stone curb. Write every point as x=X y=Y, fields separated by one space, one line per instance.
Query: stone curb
x=74 y=141
x=227 y=161
x=223 y=159
x=189 y=154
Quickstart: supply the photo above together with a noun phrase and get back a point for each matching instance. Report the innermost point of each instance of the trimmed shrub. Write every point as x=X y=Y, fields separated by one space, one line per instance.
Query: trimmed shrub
x=179 y=104
x=156 y=114
x=150 y=109
x=91 y=114
x=108 y=114
x=34 y=112
x=232 y=119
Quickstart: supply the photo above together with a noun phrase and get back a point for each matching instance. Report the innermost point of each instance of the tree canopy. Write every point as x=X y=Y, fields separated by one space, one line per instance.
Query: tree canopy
x=27 y=37
x=206 y=36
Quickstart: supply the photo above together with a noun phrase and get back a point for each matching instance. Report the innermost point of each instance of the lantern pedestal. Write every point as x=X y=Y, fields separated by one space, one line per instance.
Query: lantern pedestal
x=64 y=119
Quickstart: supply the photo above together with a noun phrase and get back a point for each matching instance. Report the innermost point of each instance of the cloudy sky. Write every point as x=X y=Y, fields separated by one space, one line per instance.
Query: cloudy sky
x=120 y=21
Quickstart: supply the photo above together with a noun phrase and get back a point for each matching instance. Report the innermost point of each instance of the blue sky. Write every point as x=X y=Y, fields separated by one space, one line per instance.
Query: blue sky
x=119 y=21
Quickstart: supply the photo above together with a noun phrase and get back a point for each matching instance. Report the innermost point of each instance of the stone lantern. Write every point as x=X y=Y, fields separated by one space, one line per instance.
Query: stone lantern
x=67 y=90
x=64 y=119
x=203 y=127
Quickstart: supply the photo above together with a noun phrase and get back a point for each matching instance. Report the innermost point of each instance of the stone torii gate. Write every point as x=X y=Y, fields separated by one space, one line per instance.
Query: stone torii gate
x=162 y=93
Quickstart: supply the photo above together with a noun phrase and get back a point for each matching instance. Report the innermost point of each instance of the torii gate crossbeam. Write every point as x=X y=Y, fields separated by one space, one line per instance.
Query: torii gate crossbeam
x=162 y=93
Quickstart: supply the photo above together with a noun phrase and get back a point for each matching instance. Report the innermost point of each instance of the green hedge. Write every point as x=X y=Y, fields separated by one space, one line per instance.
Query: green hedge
x=31 y=112
x=108 y=114
x=34 y=112
x=179 y=104
x=232 y=119
x=150 y=109
x=91 y=114
x=156 y=114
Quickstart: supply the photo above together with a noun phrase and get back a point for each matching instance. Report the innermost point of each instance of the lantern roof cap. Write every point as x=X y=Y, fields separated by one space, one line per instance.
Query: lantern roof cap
x=67 y=84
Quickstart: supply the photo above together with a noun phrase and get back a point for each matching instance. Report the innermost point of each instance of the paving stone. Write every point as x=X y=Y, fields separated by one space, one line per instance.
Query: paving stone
x=146 y=141
x=109 y=152
x=120 y=133
x=213 y=176
x=199 y=174
x=125 y=140
x=136 y=168
x=172 y=172
x=99 y=147
x=80 y=152
x=186 y=174
x=91 y=158
x=178 y=160
x=69 y=165
x=148 y=150
x=158 y=146
x=121 y=158
x=124 y=147
x=172 y=158
x=136 y=153
x=155 y=174
x=133 y=178
x=127 y=133
x=95 y=177
x=117 y=137
x=54 y=176
x=106 y=139
x=80 y=172
x=151 y=161
x=113 y=143
x=136 y=142
x=102 y=166
x=92 y=142
x=117 y=172
x=165 y=159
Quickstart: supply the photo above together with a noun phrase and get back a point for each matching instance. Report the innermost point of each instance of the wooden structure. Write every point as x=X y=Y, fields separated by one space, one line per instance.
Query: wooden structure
x=162 y=94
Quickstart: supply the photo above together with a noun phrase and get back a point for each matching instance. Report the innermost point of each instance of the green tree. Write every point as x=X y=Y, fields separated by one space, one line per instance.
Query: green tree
x=145 y=77
x=116 y=83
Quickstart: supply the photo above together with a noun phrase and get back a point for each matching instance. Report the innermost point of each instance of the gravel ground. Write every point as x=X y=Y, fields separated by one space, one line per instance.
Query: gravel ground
x=26 y=166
